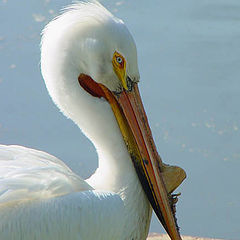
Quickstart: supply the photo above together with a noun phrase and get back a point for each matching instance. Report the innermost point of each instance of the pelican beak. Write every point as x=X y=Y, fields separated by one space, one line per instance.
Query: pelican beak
x=132 y=120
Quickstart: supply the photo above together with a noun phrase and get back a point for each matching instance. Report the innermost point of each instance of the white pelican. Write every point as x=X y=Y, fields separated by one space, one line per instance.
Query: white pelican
x=89 y=64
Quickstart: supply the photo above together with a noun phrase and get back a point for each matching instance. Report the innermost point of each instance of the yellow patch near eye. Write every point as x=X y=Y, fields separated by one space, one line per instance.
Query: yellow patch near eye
x=119 y=67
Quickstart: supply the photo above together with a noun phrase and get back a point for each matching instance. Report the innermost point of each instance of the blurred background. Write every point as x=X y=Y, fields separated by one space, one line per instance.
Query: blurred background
x=189 y=60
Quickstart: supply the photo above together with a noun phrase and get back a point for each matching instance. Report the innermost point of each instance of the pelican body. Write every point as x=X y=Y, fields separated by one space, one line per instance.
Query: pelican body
x=89 y=64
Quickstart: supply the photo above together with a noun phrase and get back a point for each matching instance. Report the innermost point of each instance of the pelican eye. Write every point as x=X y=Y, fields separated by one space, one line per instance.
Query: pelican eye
x=119 y=67
x=119 y=60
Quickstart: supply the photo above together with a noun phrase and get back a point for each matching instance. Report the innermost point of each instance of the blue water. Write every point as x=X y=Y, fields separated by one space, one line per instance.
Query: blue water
x=190 y=83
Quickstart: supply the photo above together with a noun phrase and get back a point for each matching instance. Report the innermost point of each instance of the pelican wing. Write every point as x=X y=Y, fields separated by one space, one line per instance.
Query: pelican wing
x=76 y=216
x=28 y=174
x=41 y=198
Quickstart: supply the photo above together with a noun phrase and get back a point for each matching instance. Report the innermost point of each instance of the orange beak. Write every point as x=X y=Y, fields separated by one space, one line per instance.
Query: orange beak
x=132 y=120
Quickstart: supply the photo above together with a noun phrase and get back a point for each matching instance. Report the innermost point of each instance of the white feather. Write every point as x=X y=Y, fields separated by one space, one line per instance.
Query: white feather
x=28 y=174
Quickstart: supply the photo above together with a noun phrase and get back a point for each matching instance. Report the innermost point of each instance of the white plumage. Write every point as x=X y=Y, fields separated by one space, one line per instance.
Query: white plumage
x=28 y=174
x=40 y=197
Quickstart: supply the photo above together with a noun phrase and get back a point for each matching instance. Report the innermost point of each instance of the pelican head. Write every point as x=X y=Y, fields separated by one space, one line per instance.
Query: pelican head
x=89 y=64
x=95 y=43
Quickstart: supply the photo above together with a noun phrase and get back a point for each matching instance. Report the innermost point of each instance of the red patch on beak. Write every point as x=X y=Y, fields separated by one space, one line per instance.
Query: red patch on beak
x=89 y=85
